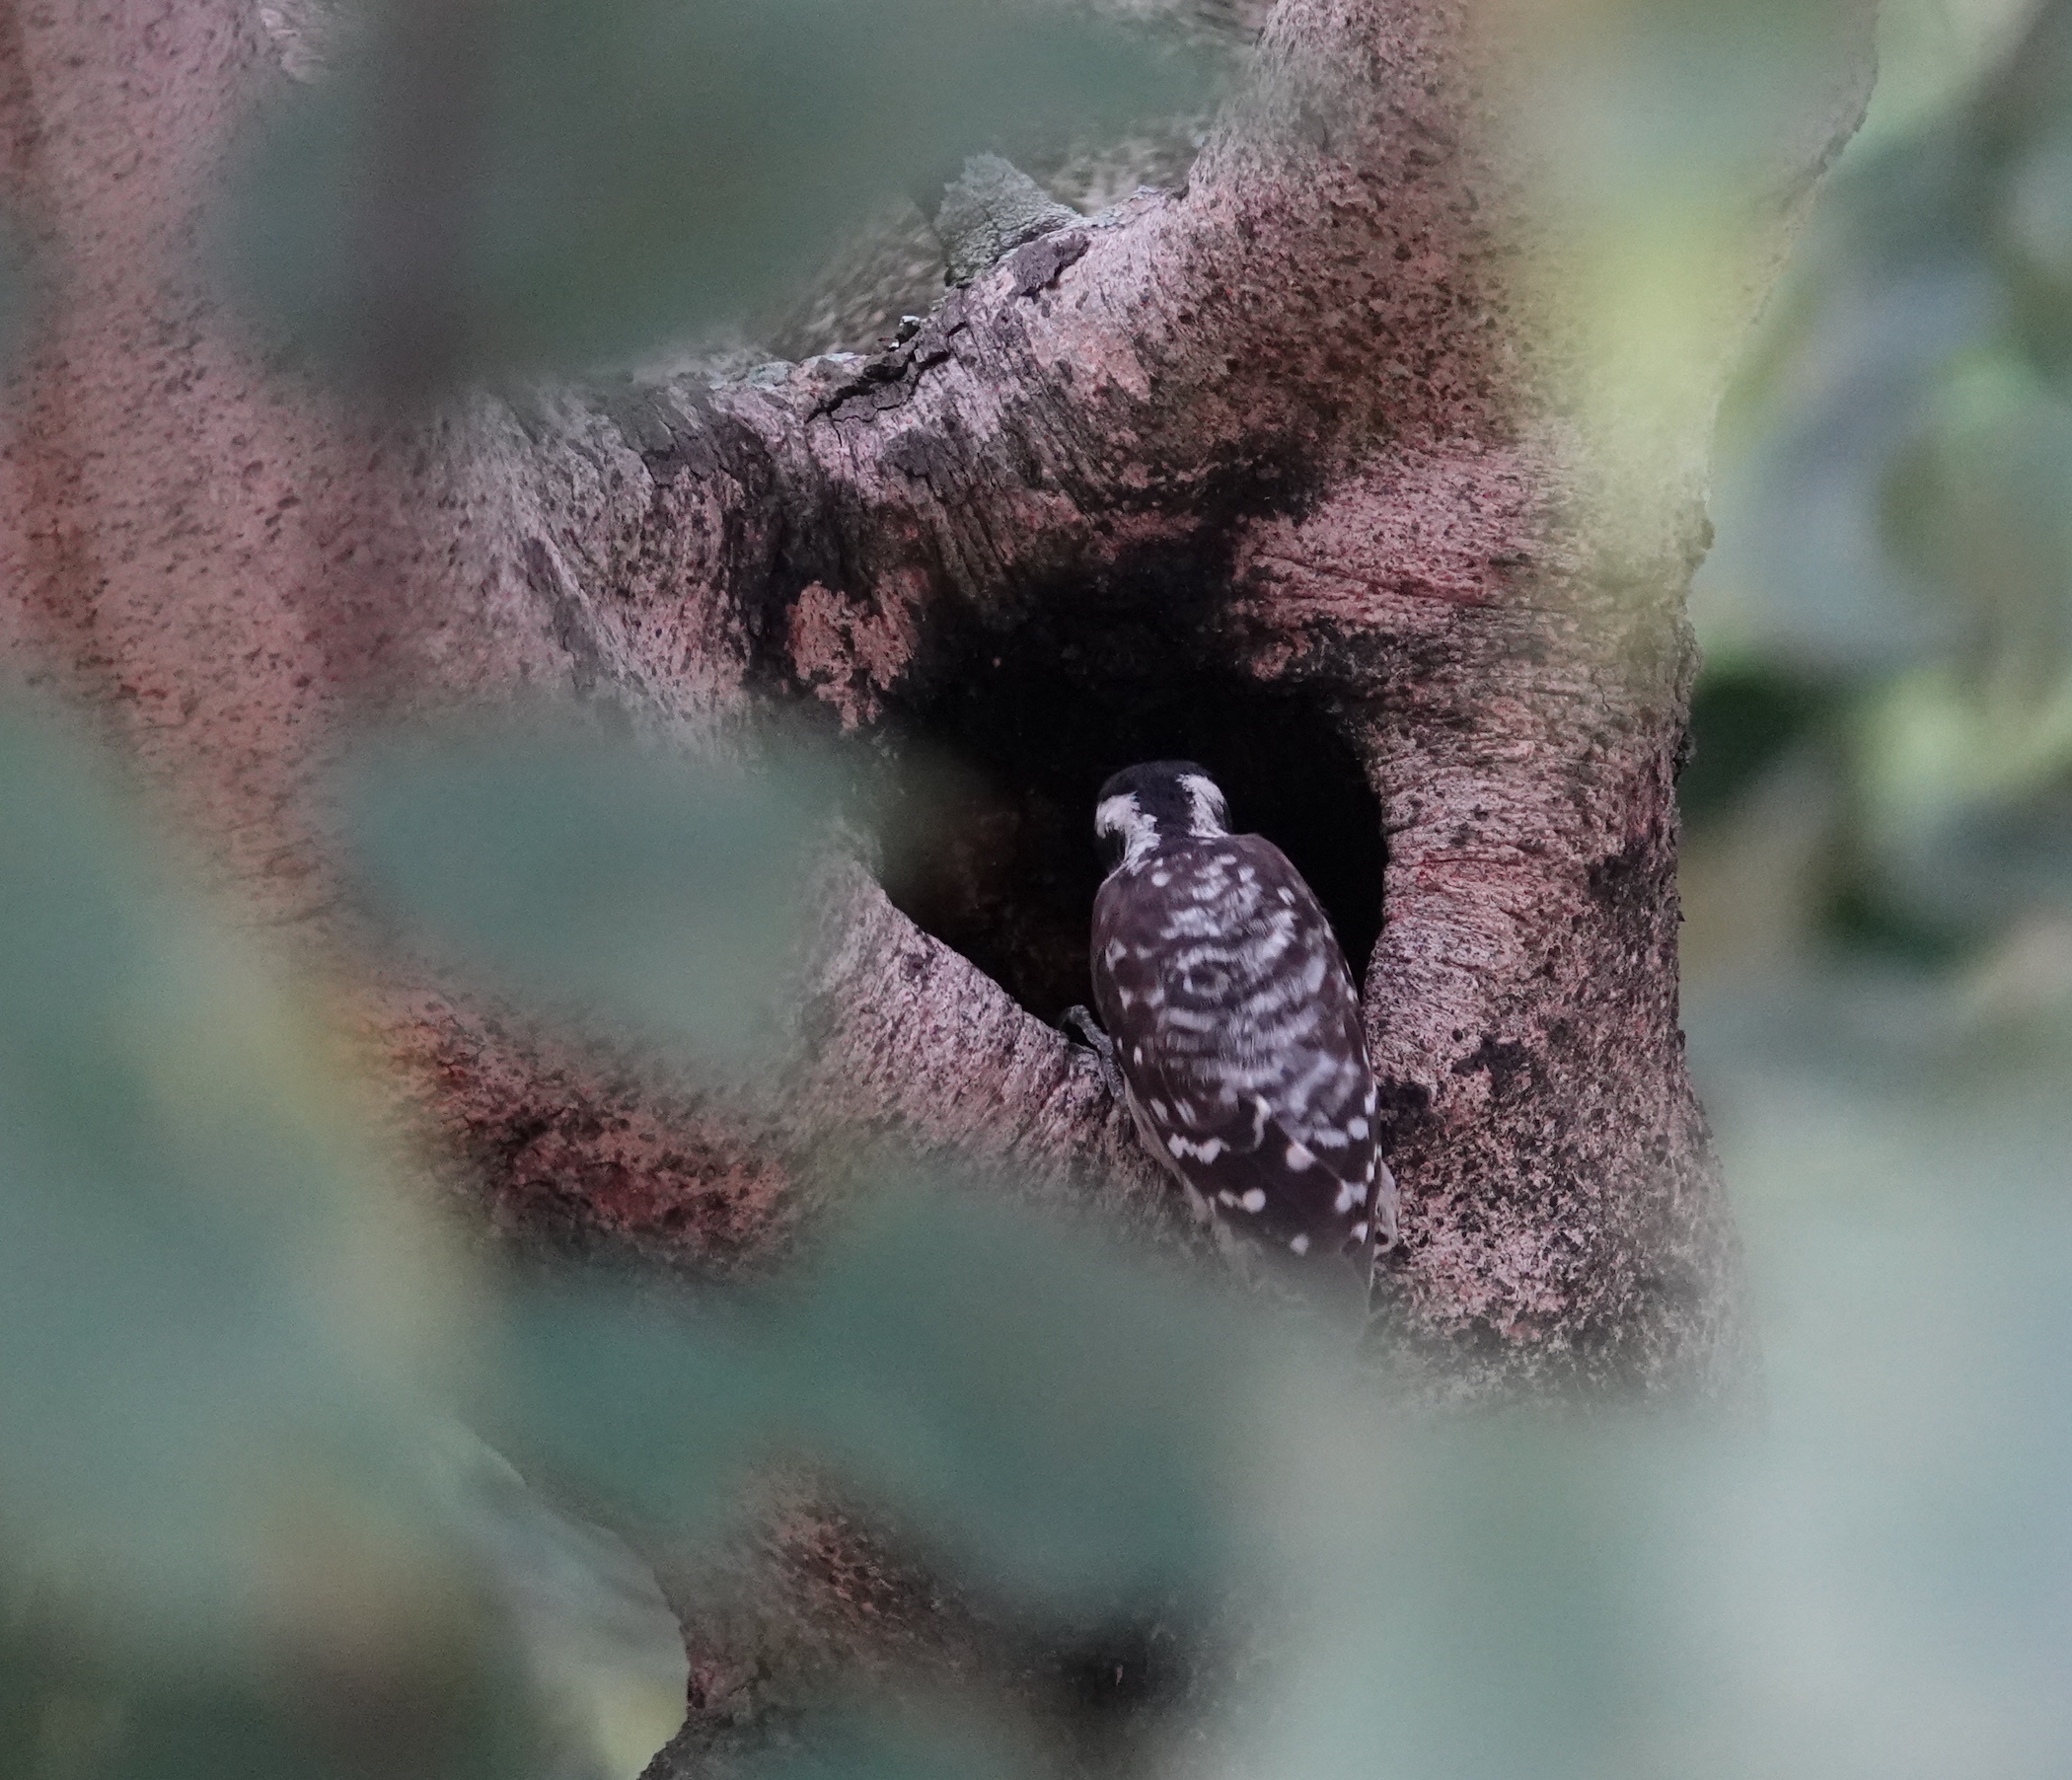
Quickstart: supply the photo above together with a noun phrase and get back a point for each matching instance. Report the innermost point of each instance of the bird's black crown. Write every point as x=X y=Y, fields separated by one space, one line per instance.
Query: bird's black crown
x=1156 y=801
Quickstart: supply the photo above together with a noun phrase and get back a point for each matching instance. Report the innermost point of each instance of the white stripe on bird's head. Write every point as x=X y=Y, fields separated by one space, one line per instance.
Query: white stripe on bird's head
x=1122 y=819
x=1211 y=816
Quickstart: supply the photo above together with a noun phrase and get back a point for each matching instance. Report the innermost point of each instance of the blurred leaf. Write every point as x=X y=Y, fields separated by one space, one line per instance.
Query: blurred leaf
x=1743 y=718
x=1937 y=744
x=604 y=1652
x=1647 y=125
x=639 y=1399
x=407 y=1710
x=513 y=184
x=1051 y=1419
x=1980 y=502
x=1510 y=1612
x=937 y=1745
x=1989 y=863
x=1629 y=97
x=1895 y=516
x=603 y=880
x=1055 y=1420
x=1801 y=573
x=206 y=1285
x=1897 y=279
x=1889 y=1581
x=1932 y=57
x=2040 y=208
x=1866 y=919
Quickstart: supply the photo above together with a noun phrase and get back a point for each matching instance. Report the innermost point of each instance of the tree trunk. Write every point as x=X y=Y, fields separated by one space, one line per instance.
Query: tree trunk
x=1312 y=458
x=1318 y=467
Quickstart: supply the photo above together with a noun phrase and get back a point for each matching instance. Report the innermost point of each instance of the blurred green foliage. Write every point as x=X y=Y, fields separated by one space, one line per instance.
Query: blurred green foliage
x=1036 y=1415
x=244 y=1530
x=845 y=1745
x=159 y=1100
x=1890 y=602
x=508 y=186
x=1044 y=1413
x=222 y=1332
x=1880 y=958
x=237 y=1505
x=600 y=881
x=1745 y=718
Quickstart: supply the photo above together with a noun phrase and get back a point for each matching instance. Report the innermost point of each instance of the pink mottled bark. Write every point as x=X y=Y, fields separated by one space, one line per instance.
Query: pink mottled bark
x=1321 y=428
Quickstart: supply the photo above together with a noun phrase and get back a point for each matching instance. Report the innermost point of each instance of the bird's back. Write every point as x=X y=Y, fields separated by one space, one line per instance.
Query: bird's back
x=1237 y=1029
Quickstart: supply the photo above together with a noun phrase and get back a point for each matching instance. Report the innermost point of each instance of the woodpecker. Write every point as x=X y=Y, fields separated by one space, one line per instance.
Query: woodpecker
x=1232 y=1028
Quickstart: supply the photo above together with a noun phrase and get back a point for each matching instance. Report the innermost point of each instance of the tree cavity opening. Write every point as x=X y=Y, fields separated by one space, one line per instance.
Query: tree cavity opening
x=1014 y=732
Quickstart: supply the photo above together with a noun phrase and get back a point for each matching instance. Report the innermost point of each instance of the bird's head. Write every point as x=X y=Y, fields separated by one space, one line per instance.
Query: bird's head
x=1156 y=801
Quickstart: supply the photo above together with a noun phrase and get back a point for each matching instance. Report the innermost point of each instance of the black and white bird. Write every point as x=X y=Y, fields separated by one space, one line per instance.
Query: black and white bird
x=1232 y=1026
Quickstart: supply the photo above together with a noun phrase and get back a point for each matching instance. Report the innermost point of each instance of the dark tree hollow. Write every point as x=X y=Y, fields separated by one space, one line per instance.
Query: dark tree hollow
x=1022 y=727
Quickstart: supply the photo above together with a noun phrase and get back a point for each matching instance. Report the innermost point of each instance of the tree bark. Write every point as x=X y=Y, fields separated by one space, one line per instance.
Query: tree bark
x=1318 y=445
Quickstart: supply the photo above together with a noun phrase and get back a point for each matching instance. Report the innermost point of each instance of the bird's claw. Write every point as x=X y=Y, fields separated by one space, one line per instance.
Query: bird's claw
x=1079 y=1019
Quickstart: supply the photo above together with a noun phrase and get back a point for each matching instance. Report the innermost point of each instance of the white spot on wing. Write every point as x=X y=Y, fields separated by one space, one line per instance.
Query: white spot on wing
x=1301 y=1244
x=1356 y=1128
x=1299 y=1157
x=1254 y=1199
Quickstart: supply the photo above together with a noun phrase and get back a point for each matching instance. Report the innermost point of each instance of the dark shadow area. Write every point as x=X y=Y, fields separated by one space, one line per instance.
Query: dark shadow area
x=1743 y=721
x=1120 y=1692
x=1023 y=726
